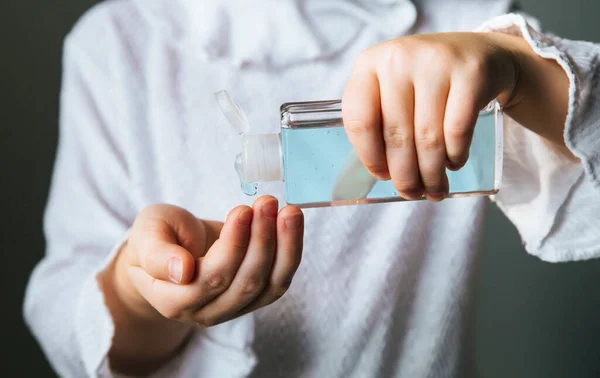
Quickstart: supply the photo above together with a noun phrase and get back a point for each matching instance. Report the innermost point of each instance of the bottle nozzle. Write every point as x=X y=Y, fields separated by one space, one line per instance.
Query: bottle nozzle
x=261 y=158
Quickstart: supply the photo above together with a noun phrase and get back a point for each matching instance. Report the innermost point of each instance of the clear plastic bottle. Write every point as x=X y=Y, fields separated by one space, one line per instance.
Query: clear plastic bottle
x=315 y=159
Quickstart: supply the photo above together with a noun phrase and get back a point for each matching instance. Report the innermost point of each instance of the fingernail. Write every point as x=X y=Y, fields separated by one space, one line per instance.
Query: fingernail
x=245 y=217
x=270 y=208
x=175 y=269
x=415 y=195
x=454 y=167
x=293 y=222
x=385 y=176
x=435 y=197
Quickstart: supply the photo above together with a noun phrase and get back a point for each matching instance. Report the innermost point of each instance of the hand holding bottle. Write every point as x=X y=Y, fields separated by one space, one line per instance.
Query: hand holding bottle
x=411 y=104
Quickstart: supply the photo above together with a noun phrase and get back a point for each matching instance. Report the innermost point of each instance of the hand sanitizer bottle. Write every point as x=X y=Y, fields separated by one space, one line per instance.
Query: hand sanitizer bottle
x=313 y=156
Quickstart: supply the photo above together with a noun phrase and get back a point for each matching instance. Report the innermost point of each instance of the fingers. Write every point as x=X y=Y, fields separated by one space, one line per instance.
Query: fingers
x=361 y=110
x=166 y=240
x=253 y=274
x=272 y=258
x=396 y=124
x=430 y=98
x=462 y=111
x=217 y=270
x=397 y=105
x=290 y=232
x=214 y=272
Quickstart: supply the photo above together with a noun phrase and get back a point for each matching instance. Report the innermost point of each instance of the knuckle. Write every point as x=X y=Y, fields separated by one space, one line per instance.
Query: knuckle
x=428 y=140
x=252 y=285
x=206 y=322
x=477 y=68
x=239 y=244
x=216 y=281
x=148 y=259
x=355 y=125
x=433 y=52
x=396 y=137
x=458 y=130
x=394 y=55
x=267 y=239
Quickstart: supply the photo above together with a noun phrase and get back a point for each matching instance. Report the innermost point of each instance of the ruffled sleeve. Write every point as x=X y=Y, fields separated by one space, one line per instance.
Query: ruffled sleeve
x=554 y=201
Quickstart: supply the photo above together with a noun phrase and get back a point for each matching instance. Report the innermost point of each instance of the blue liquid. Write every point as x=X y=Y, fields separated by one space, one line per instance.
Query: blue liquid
x=314 y=158
x=249 y=189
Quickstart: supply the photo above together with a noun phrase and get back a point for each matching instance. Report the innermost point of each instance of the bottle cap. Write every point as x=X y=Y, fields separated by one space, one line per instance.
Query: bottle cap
x=234 y=114
x=261 y=159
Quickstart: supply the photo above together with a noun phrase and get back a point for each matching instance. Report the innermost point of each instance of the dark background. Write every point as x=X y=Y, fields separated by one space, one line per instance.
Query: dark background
x=533 y=319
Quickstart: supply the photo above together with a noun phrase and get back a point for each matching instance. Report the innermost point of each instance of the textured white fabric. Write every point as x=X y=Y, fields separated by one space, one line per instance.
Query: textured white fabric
x=556 y=235
x=383 y=290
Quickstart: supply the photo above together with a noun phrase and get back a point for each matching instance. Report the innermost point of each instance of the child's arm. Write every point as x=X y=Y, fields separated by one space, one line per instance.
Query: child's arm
x=411 y=104
x=410 y=109
x=176 y=271
x=101 y=299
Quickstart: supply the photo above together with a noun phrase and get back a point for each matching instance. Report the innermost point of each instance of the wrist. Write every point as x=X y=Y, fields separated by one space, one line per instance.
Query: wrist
x=540 y=97
x=143 y=339
x=514 y=51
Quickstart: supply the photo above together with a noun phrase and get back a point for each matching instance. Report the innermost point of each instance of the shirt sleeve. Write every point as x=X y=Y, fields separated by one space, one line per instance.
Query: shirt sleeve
x=91 y=206
x=87 y=216
x=552 y=200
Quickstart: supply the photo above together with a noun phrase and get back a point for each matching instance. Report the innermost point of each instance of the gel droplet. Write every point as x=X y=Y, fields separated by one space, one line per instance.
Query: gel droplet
x=249 y=189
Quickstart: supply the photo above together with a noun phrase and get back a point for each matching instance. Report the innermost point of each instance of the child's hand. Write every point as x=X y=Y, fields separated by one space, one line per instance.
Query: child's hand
x=179 y=267
x=411 y=104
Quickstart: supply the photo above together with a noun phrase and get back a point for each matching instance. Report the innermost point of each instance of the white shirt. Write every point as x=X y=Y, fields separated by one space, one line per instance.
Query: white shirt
x=383 y=290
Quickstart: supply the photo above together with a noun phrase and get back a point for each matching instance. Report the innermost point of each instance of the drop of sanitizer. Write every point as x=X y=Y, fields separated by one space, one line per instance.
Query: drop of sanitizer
x=238 y=120
x=249 y=189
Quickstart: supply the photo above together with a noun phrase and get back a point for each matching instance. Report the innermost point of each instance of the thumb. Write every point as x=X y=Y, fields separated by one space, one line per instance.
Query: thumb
x=166 y=240
x=167 y=262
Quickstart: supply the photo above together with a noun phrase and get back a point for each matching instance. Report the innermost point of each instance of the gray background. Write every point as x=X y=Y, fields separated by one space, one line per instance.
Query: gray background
x=533 y=319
